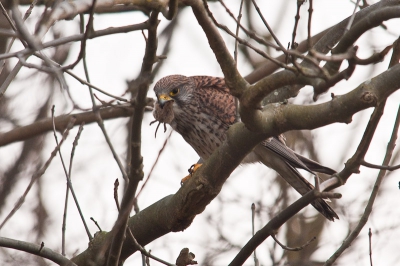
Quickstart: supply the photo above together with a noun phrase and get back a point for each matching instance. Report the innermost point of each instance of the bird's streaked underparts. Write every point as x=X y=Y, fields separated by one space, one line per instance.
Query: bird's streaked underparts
x=201 y=109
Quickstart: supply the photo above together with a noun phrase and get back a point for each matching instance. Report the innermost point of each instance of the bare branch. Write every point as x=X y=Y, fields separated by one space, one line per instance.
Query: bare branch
x=88 y=29
x=154 y=164
x=268 y=27
x=370 y=246
x=95 y=222
x=382 y=167
x=296 y=22
x=35 y=249
x=116 y=185
x=292 y=249
x=61 y=122
x=69 y=185
x=135 y=162
x=352 y=16
x=95 y=87
x=253 y=211
x=310 y=11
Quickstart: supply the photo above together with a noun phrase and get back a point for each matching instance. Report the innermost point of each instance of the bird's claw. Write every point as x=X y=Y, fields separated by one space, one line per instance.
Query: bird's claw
x=191 y=171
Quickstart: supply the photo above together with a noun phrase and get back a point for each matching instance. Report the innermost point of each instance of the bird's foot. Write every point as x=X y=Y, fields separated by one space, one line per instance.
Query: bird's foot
x=191 y=171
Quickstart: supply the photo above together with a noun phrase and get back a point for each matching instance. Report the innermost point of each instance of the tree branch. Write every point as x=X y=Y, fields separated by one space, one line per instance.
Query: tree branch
x=35 y=249
x=136 y=161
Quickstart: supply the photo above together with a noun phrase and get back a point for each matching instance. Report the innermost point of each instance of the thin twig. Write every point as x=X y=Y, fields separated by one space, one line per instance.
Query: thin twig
x=144 y=252
x=154 y=164
x=29 y=51
x=352 y=17
x=41 y=246
x=237 y=32
x=94 y=87
x=268 y=27
x=42 y=68
x=116 y=186
x=296 y=23
x=253 y=214
x=382 y=167
x=5 y=13
x=34 y=42
x=29 y=11
x=243 y=42
x=370 y=246
x=36 y=250
x=293 y=249
x=69 y=183
x=95 y=222
x=310 y=11
x=86 y=32
x=100 y=122
x=68 y=177
x=249 y=32
x=268 y=44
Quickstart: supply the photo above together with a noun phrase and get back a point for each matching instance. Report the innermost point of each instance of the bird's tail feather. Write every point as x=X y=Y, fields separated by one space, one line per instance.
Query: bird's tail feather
x=315 y=166
x=285 y=168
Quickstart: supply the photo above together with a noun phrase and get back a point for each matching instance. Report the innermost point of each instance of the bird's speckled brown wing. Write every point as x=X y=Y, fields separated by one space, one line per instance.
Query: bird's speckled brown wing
x=215 y=99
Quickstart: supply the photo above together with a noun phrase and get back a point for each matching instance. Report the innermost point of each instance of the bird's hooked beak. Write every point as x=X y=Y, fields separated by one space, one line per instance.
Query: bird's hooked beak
x=163 y=99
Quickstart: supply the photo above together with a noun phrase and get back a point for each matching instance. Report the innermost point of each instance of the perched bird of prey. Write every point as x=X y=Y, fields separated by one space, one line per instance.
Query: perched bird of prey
x=201 y=109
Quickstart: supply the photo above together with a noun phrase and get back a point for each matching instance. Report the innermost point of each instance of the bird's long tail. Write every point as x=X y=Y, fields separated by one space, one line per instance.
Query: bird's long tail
x=276 y=155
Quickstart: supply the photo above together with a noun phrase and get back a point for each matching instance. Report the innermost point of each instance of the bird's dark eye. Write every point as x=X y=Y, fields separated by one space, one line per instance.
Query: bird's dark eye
x=174 y=92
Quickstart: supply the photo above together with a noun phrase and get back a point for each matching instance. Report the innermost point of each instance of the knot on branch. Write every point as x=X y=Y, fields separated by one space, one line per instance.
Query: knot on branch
x=369 y=98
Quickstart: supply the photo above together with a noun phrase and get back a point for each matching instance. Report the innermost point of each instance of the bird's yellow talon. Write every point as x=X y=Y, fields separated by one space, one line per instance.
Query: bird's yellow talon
x=191 y=171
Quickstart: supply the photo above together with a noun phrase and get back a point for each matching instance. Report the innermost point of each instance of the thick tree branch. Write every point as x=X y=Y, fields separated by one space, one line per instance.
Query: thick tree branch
x=368 y=94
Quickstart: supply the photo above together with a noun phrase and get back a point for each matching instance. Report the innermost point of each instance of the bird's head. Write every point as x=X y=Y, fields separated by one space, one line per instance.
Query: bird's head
x=175 y=88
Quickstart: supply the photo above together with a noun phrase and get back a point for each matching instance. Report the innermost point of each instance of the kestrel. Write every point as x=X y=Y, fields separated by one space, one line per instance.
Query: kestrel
x=201 y=109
